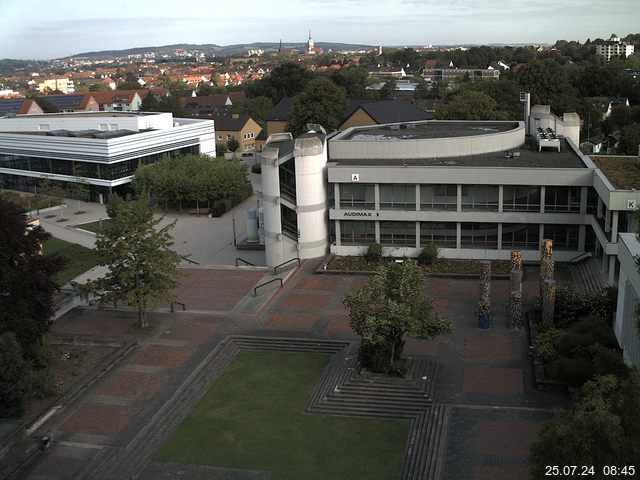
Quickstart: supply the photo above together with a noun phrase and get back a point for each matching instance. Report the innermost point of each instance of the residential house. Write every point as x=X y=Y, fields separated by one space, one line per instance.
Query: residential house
x=210 y=105
x=241 y=127
x=118 y=100
x=359 y=112
x=19 y=106
x=607 y=104
x=74 y=102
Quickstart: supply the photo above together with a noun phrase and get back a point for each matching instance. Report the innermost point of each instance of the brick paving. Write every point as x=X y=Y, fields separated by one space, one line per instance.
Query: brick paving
x=133 y=384
x=100 y=419
x=485 y=378
x=163 y=356
x=495 y=381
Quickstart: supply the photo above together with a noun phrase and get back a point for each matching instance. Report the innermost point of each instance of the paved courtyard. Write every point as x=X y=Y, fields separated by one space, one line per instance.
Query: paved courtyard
x=485 y=378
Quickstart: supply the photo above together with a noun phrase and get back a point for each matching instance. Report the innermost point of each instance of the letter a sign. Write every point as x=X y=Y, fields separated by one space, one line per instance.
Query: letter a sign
x=355 y=177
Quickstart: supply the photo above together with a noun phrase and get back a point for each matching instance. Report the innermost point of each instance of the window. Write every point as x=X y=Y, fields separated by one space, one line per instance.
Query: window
x=43 y=127
x=289 y=220
x=354 y=195
x=565 y=237
x=398 y=196
x=220 y=137
x=400 y=234
x=442 y=234
x=521 y=198
x=480 y=197
x=520 y=235
x=103 y=126
x=438 y=197
x=479 y=235
x=113 y=126
x=353 y=232
x=562 y=199
x=229 y=137
x=287 y=174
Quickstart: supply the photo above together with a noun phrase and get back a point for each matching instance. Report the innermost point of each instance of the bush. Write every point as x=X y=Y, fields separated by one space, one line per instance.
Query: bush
x=42 y=383
x=571 y=306
x=428 y=255
x=257 y=168
x=547 y=344
x=374 y=253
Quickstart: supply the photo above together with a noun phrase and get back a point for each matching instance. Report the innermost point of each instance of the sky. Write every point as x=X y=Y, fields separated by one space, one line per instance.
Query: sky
x=43 y=30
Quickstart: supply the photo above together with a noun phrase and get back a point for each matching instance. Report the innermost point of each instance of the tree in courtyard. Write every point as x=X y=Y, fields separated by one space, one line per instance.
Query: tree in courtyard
x=26 y=284
x=630 y=141
x=14 y=371
x=391 y=305
x=321 y=102
x=602 y=429
x=142 y=268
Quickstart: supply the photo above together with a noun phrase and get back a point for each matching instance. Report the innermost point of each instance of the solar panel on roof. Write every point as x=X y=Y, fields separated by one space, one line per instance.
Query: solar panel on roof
x=65 y=102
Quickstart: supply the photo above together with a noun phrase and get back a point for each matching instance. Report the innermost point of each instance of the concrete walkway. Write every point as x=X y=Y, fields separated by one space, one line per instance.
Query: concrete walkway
x=207 y=241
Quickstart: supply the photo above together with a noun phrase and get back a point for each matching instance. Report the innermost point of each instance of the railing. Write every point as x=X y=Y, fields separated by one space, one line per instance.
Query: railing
x=238 y=259
x=184 y=307
x=579 y=258
x=275 y=269
x=255 y=290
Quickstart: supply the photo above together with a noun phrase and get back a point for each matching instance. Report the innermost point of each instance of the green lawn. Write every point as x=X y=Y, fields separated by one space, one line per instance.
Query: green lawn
x=79 y=259
x=94 y=226
x=253 y=418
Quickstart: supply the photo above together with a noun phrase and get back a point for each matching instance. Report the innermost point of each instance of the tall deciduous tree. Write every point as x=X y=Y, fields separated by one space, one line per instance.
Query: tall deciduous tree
x=391 y=305
x=26 y=284
x=143 y=269
x=285 y=80
x=321 y=102
x=470 y=105
x=13 y=377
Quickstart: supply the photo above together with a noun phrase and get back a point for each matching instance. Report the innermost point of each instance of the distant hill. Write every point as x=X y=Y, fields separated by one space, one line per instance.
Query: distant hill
x=213 y=49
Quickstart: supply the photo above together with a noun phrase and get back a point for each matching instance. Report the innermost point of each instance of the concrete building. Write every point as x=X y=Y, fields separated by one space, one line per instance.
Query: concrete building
x=474 y=189
x=103 y=149
x=614 y=48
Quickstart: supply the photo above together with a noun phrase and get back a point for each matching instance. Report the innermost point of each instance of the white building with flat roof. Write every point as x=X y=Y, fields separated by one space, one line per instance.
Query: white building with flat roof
x=101 y=148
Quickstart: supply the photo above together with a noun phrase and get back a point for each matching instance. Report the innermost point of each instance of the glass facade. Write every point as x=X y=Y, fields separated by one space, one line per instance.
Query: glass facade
x=438 y=197
x=479 y=235
x=442 y=234
x=399 y=234
x=479 y=197
x=357 y=233
x=354 y=195
x=520 y=198
x=399 y=196
x=520 y=235
x=98 y=171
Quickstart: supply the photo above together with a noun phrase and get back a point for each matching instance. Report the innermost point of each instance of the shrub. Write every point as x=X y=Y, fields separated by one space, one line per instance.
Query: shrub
x=428 y=255
x=573 y=371
x=374 y=254
x=42 y=383
x=547 y=344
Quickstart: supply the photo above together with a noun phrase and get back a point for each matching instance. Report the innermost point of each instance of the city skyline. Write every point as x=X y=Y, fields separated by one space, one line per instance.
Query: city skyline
x=32 y=30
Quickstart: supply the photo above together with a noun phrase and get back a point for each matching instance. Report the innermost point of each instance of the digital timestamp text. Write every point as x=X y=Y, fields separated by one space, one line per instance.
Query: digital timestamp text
x=569 y=471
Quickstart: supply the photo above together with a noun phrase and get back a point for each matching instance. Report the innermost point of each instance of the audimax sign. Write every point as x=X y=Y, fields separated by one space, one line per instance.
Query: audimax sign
x=360 y=214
